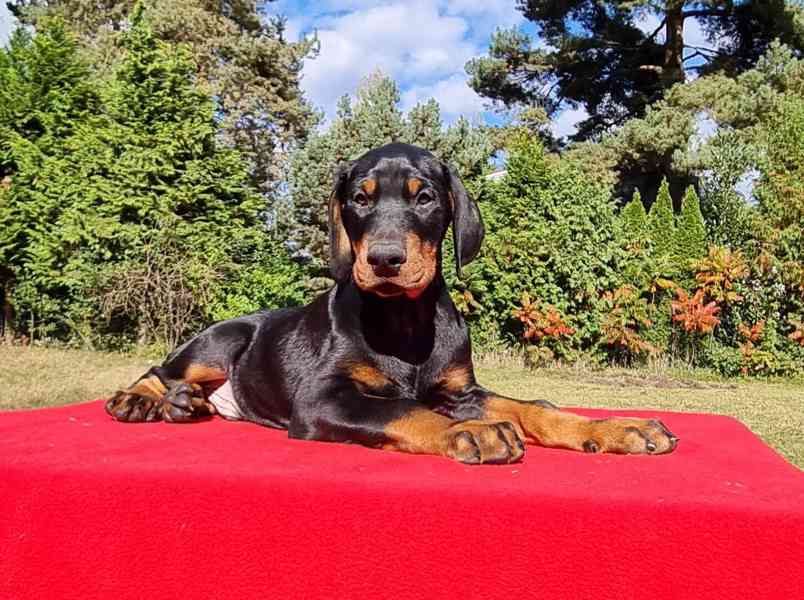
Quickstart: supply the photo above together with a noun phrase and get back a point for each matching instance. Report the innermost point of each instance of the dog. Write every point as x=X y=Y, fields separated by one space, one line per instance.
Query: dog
x=383 y=358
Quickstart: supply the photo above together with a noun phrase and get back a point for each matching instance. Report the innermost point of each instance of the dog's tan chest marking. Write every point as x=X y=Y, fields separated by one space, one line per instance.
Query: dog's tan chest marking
x=455 y=378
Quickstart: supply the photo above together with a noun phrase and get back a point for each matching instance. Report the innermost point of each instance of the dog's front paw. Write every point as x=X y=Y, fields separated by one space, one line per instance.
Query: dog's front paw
x=479 y=442
x=134 y=408
x=180 y=403
x=623 y=435
x=185 y=402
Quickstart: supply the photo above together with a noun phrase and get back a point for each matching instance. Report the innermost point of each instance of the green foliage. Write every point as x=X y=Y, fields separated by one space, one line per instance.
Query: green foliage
x=265 y=278
x=690 y=236
x=239 y=56
x=661 y=223
x=626 y=317
x=729 y=220
x=634 y=220
x=665 y=142
x=550 y=232
x=593 y=53
x=88 y=204
x=137 y=175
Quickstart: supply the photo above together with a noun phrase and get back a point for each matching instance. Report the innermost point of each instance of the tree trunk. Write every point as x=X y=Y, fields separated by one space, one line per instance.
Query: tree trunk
x=673 y=68
x=6 y=322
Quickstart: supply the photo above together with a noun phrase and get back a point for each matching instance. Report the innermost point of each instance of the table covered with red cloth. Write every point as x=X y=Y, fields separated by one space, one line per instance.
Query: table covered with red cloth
x=92 y=508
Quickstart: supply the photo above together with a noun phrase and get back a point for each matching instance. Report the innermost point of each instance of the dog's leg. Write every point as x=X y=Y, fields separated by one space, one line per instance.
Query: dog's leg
x=404 y=425
x=177 y=390
x=422 y=431
x=542 y=423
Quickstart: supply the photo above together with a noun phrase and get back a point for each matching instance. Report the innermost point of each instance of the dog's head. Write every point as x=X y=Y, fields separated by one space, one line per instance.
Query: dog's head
x=389 y=212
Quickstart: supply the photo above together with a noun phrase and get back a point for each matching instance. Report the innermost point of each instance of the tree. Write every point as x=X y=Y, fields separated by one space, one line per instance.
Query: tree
x=551 y=233
x=592 y=53
x=634 y=219
x=667 y=142
x=146 y=168
x=690 y=237
x=661 y=222
x=241 y=58
x=44 y=96
x=373 y=119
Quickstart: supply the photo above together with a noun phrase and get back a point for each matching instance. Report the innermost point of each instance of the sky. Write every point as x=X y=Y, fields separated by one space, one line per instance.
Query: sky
x=422 y=44
x=6 y=23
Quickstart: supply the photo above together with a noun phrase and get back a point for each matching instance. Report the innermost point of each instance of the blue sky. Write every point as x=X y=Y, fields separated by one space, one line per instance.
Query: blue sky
x=6 y=23
x=422 y=44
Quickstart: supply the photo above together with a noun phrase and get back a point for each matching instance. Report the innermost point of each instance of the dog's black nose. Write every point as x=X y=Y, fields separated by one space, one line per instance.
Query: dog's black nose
x=386 y=258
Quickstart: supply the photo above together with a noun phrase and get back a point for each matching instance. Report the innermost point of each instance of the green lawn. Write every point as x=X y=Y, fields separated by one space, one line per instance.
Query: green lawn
x=33 y=377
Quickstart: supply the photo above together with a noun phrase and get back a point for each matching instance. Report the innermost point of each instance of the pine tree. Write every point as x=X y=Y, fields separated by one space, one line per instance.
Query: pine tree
x=634 y=219
x=661 y=223
x=690 y=236
x=593 y=53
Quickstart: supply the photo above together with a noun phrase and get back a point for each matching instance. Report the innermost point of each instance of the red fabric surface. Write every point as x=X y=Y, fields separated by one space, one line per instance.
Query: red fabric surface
x=92 y=508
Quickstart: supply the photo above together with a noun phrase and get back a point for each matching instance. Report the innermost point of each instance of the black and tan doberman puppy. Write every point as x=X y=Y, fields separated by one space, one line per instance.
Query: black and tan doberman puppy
x=382 y=359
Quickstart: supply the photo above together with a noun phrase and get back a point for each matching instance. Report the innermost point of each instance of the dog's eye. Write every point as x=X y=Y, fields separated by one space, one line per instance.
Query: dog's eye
x=424 y=198
x=360 y=199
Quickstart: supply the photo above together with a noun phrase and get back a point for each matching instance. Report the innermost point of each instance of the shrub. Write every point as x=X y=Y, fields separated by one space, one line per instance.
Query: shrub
x=623 y=324
x=550 y=232
x=634 y=221
x=718 y=273
x=545 y=328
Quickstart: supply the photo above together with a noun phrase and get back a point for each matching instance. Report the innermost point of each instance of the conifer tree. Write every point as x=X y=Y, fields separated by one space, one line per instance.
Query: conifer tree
x=45 y=95
x=595 y=54
x=240 y=52
x=149 y=160
x=634 y=219
x=690 y=236
x=661 y=222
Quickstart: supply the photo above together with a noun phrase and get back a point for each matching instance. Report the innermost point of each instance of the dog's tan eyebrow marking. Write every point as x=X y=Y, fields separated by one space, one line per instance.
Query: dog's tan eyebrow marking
x=369 y=186
x=414 y=185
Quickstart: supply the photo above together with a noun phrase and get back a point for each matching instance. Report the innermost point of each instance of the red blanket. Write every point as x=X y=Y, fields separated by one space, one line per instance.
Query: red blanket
x=92 y=508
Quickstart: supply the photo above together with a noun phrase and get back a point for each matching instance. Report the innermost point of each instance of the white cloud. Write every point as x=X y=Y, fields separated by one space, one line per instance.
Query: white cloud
x=567 y=121
x=7 y=24
x=413 y=42
x=453 y=95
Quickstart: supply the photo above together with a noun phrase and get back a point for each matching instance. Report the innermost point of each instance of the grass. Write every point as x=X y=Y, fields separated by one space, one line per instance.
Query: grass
x=33 y=377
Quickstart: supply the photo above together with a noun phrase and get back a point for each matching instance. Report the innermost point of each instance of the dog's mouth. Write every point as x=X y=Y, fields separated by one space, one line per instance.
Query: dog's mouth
x=389 y=289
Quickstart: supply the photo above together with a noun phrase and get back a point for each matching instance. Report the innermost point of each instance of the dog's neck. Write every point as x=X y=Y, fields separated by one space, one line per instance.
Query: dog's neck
x=399 y=326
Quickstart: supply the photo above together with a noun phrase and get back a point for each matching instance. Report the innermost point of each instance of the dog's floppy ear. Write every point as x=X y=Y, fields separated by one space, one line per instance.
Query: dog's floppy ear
x=340 y=248
x=467 y=225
